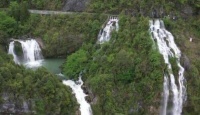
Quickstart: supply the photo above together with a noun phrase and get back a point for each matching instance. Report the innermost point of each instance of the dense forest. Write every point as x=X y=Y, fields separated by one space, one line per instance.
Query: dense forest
x=123 y=76
x=42 y=91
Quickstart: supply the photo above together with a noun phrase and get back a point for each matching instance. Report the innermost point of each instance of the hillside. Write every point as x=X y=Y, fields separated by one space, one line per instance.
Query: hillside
x=123 y=76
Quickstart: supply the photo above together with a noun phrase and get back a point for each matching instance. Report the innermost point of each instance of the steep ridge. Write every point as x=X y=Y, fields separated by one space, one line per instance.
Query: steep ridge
x=104 y=36
x=168 y=48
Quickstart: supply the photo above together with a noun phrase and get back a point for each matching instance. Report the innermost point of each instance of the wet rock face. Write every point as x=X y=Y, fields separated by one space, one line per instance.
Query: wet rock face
x=90 y=98
x=185 y=62
x=17 y=106
x=157 y=13
x=18 y=49
x=75 y=5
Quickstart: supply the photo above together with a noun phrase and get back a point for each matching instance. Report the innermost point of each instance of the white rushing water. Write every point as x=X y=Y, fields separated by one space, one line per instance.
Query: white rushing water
x=168 y=48
x=85 y=108
x=105 y=33
x=32 y=55
x=31 y=50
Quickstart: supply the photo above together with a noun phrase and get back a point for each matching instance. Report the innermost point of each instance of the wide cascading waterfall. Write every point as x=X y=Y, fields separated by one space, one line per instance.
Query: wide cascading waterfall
x=168 y=48
x=32 y=54
x=12 y=52
x=85 y=107
x=105 y=33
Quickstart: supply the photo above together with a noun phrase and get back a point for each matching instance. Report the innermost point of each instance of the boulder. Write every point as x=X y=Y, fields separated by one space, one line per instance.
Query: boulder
x=85 y=90
x=88 y=99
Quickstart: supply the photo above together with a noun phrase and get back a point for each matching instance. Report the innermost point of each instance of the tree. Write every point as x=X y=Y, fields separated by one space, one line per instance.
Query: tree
x=4 y=3
x=14 y=10
x=24 y=13
x=19 y=11
x=8 y=26
x=75 y=63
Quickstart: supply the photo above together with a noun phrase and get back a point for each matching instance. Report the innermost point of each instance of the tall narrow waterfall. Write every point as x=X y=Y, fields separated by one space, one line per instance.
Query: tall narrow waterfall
x=31 y=52
x=85 y=107
x=168 y=48
x=105 y=33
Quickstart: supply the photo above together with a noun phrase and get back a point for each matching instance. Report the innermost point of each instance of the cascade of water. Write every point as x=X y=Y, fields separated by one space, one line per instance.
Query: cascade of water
x=168 y=48
x=80 y=95
x=31 y=51
x=11 y=51
x=104 y=34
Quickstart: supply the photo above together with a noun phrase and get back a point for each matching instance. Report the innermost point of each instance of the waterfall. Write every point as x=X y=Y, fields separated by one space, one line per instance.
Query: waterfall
x=85 y=107
x=31 y=52
x=168 y=48
x=32 y=57
x=12 y=52
x=105 y=33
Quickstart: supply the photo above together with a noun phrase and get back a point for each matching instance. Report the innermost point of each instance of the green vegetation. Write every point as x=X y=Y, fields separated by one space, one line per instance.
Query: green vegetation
x=66 y=31
x=19 y=11
x=75 y=63
x=41 y=89
x=14 y=21
x=125 y=73
x=8 y=27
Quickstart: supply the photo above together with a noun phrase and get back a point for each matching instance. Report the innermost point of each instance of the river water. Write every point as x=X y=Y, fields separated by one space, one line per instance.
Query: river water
x=52 y=65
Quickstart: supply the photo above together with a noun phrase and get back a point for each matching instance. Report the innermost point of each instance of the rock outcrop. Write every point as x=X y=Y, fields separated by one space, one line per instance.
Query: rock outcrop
x=75 y=5
x=185 y=62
